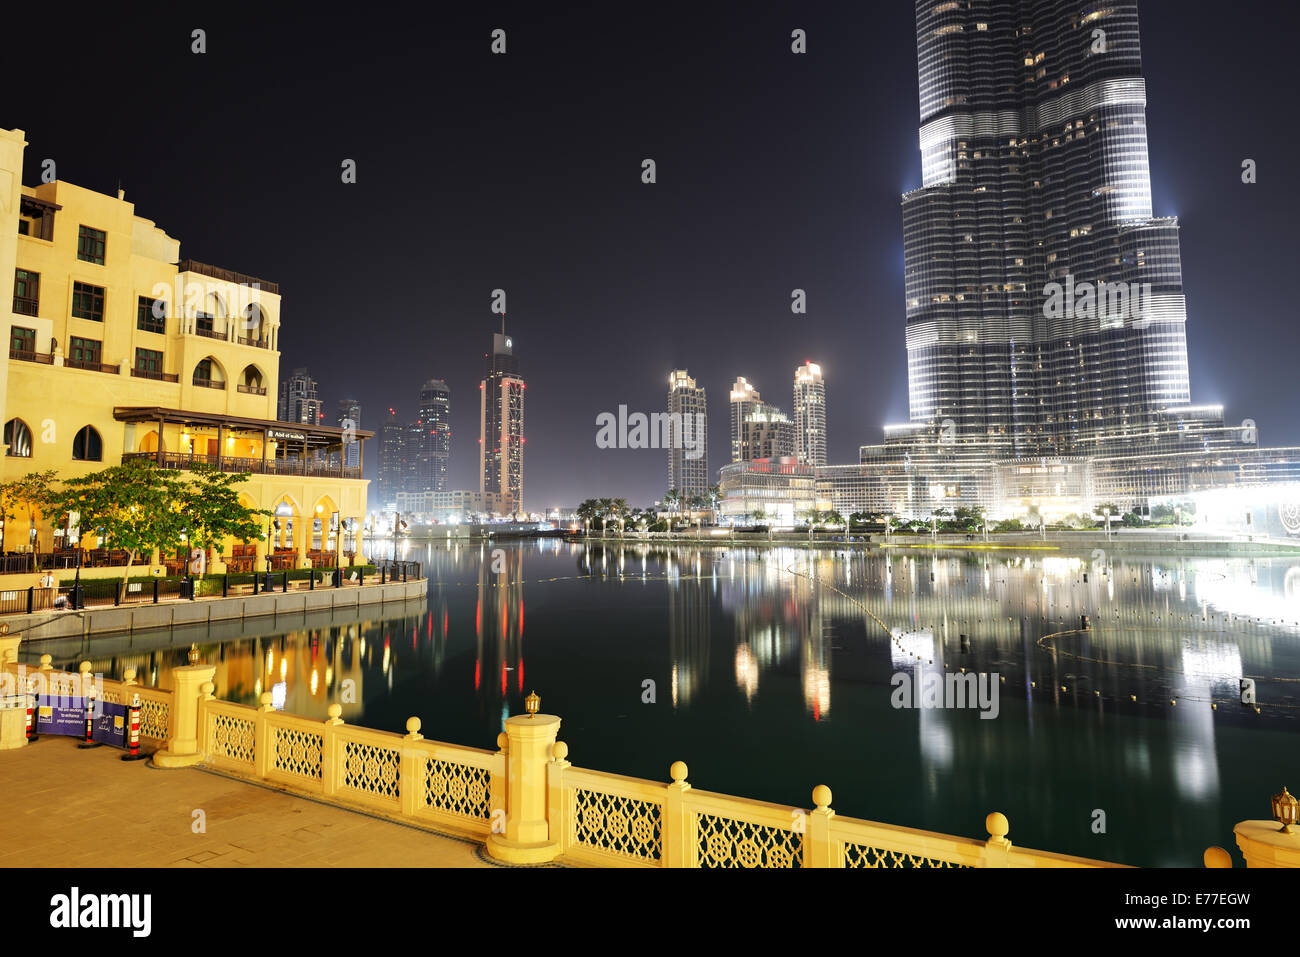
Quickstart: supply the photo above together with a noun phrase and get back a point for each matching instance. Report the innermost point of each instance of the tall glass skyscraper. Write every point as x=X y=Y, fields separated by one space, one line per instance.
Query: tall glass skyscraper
x=810 y=415
x=1036 y=192
x=501 y=424
x=435 y=437
x=688 y=452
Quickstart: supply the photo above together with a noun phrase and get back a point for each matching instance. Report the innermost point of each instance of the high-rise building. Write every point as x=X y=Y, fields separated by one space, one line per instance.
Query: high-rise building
x=434 y=450
x=392 y=460
x=810 y=415
x=688 y=444
x=1045 y=309
x=348 y=417
x=501 y=424
x=299 y=401
x=759 y=430
x=744 y=397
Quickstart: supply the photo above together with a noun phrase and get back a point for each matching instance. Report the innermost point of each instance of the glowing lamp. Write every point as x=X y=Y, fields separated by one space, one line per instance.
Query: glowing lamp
x=533 y=704
x=1286 y=810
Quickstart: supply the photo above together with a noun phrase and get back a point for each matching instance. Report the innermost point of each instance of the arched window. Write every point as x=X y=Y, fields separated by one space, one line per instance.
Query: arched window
x=253 y=329
x=19 y=439
x=209 y=375
x=87 y=447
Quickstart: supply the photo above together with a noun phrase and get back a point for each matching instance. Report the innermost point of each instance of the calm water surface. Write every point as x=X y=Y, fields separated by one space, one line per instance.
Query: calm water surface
x=771 y=676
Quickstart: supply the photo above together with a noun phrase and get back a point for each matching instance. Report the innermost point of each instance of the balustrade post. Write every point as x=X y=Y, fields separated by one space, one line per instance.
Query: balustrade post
x=497 y=785
x=527 y=834
x=678 y=849
x=410 y=783
x=182 y=749
x=331 y=767
x=818 y=850
x=557 y=814
x=8 y=645
x=207 y=692
x=997 y=849
x=262 y=736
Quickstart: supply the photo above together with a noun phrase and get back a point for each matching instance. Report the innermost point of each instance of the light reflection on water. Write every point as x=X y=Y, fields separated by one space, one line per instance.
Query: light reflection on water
x=771 y=677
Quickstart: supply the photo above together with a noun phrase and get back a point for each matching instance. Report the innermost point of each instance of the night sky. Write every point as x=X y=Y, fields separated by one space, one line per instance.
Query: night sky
x=523 y=172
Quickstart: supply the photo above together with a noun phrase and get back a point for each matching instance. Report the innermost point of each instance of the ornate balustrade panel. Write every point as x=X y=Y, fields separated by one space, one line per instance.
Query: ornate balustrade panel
x=155 y=715
x=613 y=820
x=455 y=785
x=857 y=843
x=368 y=767
x=296 y=751
x=734 y=832
x=229 y=737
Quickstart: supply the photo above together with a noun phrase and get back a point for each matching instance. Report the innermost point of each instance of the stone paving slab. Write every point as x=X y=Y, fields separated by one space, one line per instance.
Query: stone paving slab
x=64 y=807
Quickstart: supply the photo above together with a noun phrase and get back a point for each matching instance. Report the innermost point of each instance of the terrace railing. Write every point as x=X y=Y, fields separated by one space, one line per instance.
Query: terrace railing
x=526 y=799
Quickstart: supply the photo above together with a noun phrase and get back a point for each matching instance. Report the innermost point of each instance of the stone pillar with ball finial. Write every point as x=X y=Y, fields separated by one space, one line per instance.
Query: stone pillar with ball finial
x=183 y=746
x=530 y=740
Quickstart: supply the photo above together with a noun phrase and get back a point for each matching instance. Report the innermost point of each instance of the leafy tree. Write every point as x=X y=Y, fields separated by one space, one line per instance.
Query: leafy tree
x=27 y=496
x=212 y=510
x=673 y=500
x=133 y=506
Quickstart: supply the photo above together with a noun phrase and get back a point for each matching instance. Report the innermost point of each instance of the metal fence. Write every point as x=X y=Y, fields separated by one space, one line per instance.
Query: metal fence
x=106 y=592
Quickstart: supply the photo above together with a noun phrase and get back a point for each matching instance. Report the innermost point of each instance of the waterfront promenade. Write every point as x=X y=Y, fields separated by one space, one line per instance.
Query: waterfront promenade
x=65 y=807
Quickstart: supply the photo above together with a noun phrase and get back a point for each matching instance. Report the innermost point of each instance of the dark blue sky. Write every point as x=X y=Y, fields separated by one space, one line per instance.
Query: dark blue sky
x=522 y=172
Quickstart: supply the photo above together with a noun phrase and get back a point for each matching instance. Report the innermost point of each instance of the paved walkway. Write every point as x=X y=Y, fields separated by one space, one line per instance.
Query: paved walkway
x=64 y=807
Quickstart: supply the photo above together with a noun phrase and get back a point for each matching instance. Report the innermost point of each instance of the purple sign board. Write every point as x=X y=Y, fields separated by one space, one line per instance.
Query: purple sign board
x=110 y=724
x=60 y=715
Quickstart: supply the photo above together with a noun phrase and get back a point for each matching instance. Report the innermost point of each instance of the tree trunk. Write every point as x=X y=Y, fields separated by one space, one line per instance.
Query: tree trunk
x=130 y=560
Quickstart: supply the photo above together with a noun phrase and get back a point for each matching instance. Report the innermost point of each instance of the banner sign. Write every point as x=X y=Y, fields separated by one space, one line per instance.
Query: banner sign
x=56 y=714
x=110 y=725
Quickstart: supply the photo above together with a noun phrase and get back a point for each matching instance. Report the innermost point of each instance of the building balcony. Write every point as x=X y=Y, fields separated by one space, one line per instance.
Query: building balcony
x=255 y=343
x=156 y=376
x=228 y=463
x=212 y=334
x=93 y=366
x=227 y=275
x=43 y=358
x=209 y=384
x=251 y=389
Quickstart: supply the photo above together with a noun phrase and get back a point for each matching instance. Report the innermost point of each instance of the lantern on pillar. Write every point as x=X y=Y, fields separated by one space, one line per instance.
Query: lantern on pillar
x=533 y=704
x=1286 y=810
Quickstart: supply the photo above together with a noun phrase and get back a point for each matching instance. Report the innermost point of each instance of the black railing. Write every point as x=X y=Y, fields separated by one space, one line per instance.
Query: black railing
x=93 y=366
x=252 y=389
x=107 y=592
x=248 y=341
x=209 y=383
x=158 y=376
x=25 y=355
x=227 y=275
x=226 y=463
x=397 y=570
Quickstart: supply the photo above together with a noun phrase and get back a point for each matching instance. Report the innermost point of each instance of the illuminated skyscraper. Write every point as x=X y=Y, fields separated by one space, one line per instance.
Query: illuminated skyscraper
x=434 y=451
x=759 y=430
x=688 y=449
x=810 y=415
x=1036 y=190
x=299 y=400
x=348 y=413
x=501 y=424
